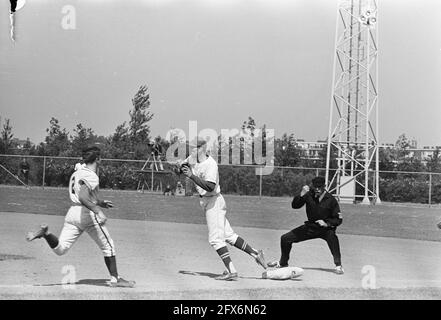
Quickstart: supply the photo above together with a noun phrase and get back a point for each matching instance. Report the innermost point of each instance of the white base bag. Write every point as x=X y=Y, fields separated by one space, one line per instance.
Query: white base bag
x=284 y=273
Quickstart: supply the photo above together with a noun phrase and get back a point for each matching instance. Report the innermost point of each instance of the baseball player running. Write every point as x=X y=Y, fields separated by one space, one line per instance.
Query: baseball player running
x=85 y=214
x=202 y=169
x=323 y=212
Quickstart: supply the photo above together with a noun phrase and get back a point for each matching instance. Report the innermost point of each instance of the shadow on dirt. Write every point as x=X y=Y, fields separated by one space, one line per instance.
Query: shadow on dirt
x=201 y=274
x=319 y=269
x=90 y=282
x=94 y=282
x=4 y=257
x=214 y=275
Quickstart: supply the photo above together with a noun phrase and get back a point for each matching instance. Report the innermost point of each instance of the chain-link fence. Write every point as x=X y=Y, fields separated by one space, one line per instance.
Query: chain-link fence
x=247 y=180
x=417 y=187
x=120 y=174
x=44 y=171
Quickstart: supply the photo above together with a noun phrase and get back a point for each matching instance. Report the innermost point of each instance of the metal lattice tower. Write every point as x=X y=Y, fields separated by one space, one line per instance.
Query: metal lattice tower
x=352 y=154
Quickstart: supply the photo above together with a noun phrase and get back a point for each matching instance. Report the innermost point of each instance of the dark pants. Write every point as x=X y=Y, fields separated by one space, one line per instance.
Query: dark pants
x=304 y=233
x=25 y=176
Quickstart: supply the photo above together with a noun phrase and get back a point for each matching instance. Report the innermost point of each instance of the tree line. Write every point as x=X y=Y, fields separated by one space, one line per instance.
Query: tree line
x=132 y=140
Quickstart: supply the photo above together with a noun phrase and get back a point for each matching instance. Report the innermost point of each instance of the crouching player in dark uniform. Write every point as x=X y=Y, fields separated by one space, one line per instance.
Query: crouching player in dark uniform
x=323 y=212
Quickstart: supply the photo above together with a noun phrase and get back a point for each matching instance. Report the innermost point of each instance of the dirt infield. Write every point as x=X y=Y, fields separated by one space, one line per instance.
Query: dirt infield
x=174 y=261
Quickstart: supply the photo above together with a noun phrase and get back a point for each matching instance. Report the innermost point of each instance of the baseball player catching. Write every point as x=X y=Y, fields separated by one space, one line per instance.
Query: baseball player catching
x=85 y=214
x=202 y=169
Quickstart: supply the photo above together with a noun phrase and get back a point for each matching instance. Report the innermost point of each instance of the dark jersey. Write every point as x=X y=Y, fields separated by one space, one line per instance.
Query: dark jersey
x=24 y=166
x=327 y=209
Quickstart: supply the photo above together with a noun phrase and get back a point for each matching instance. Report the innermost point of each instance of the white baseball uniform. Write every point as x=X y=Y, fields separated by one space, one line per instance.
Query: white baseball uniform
x=79 y=218
x=213 y=203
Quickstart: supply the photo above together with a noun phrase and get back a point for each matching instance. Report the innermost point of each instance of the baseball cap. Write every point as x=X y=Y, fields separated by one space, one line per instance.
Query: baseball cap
x=90 y=154
x=318 y=182
x=197 y=142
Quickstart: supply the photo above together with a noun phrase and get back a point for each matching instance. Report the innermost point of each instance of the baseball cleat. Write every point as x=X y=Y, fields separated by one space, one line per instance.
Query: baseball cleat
x=260 y=259
x=37 y=234
x=227 y=276
x=121 y=283
x=274 y=264
x=339 y=270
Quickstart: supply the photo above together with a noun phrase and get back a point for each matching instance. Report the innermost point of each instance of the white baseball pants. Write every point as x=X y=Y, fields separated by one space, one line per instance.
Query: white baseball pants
x=219 y=229
x=79 y=219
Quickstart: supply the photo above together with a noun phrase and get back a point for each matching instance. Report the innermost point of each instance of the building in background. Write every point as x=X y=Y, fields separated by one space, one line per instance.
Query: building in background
x=310 y=150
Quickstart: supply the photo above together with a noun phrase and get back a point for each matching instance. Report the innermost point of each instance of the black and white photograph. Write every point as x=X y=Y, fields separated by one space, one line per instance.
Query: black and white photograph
x=240 y=151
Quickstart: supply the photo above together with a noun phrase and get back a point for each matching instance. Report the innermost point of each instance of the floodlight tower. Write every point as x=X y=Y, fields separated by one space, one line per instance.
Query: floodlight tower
x=352 y=153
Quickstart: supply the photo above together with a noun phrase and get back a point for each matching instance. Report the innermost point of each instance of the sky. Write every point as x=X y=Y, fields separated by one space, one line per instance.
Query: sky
x=211 y=61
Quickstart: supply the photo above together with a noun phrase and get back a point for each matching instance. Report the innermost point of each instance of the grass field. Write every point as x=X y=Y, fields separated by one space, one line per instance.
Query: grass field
x=405 y=221
x=162 y=244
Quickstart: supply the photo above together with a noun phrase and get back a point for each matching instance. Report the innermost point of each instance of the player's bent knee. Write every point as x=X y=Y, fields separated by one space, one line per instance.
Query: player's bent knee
x=216 y=244
x=288 y=239
x=60 y=250
x=330 y=234
x=232 y=239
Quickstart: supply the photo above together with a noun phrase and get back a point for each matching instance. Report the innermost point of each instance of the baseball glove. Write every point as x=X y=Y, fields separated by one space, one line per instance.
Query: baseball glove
x=178 y=168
